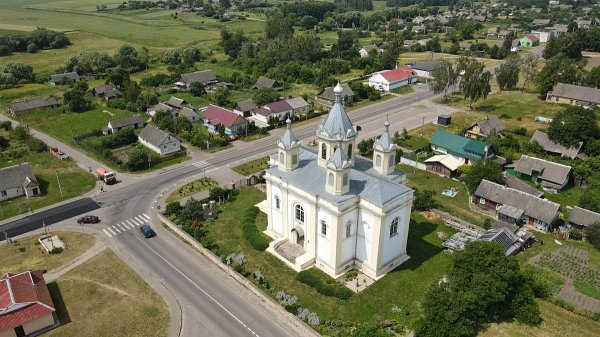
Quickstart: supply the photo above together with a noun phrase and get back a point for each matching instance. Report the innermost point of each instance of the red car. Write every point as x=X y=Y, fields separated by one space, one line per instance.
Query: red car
x=88 y=219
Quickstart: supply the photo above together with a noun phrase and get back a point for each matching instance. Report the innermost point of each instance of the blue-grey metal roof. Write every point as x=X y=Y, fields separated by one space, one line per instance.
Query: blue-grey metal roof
x=339 y=160
x=288 y=140
x=385 y=141
x=337 y=124
x=364 y=181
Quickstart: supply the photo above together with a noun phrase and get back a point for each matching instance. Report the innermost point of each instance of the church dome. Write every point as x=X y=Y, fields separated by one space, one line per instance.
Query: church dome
x=288 y=140
x=337 y=123
x=339 y=160
x=385 y=142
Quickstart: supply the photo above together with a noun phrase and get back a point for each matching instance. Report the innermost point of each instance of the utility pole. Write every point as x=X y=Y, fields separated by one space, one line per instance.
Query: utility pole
x=148 y=162
x=59 y=186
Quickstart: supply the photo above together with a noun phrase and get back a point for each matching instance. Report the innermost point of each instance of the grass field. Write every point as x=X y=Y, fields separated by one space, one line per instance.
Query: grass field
x=426 y=265
x=27 y=254
x=104 y=297
x=252 y=167
x=191 y=188
x=74 y=182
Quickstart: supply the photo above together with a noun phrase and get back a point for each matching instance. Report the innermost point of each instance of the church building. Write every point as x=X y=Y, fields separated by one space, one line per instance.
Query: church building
x=332 y=209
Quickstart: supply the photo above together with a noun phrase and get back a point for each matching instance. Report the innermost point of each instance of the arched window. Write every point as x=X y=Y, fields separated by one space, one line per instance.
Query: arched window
x=378 y=160
x=345 y=179
x=348 y=229
x=330 y=179
x=299 y=213
x=281 y=157
x=323 y=151
x=391 y=162
x=349 y=151
x=277 y=202
x=394 y=227
x=323 y=227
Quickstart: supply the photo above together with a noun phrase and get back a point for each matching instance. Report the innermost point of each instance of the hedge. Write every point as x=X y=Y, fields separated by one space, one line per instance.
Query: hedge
x=323 y=284
x=251 y=233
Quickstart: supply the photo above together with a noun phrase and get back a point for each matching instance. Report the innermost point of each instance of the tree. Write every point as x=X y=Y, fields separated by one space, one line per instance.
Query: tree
x=197 y=89
x=573 y=125
x=483 y=169
x=132 y=91
x=232 y=43
x=424 y=200
x=265 y=95
x=164 y=121
x=19 y=71
x=346 y=46
x=529 y=66
x=221 y=96
x=558 y=69
x=4 y=143
x=77 y=98
x=117 y=76
x=126 y=57
x=181 y=124
x=145 y=100
x=444 y=77
x=191 y=55
x=570 y=45
x=593 y=234
x=308 y=22
x=279 y=26
x=507 y=74
x=171 y=57
x=592 y=79
x=19 y=133
x=139 y=159
x=32 y=48
x=590 y=200
x=476 y=82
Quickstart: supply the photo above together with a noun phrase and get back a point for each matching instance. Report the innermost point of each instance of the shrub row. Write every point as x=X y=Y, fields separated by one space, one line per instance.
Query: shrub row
x=312 y=277
x=251 y=233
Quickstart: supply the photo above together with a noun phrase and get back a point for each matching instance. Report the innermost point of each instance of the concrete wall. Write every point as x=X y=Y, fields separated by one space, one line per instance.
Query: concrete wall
x=39 y=323
x=12 y=193
x=8 y=333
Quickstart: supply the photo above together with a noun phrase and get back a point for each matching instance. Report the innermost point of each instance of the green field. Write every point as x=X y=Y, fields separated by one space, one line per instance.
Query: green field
x=252 y=167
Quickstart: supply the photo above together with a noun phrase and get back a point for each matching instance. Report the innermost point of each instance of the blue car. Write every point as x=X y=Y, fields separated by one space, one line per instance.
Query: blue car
x=147 y=231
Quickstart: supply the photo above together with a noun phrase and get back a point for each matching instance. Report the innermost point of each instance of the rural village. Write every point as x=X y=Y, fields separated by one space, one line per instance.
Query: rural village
x=354 y=168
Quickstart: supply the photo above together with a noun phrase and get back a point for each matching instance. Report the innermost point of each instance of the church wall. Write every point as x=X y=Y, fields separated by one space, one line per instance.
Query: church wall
x=277 y=214
x=394 y=246
x=347 y=244
x=364 y=242
x=324 y=242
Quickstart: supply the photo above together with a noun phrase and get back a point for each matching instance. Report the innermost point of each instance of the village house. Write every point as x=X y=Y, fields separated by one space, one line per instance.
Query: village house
x=261 y=117
x=133 y=122
x=389 y=80
x=581 y=218
x=365 y=50
x=503 y=34
x=540 y=22
x=515 y=45
x=176 y=102
x=18 y=180
x=22 y=108
x=584 y=24
x=573 y=94
x=484 y=128
x=163 y=107
x=464 y=45
x=189 y=114
x=552 y=176
x=444 y=164
x=425 y=69
x=26 y=307
x=418 y=29
x=58 y=79
x=299 y=105
x=267 y=83
x=327 y=97
x=544 y=35
x=206 y=77
x=334 y=210
x=529 y=40
x=107 y=91
x=159 y=141
x=493 y=31
x=244 y=108
x=516 y=207
x=557 y=149
x=520 y=185
x=510 y=242
x=408 y=43
x=466 y=149
x=232 y=123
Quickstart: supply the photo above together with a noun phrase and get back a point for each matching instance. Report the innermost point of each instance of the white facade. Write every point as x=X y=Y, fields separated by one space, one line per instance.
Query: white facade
x=381 y=83
x=169 y=145
x=316 y=203
x=543 y=35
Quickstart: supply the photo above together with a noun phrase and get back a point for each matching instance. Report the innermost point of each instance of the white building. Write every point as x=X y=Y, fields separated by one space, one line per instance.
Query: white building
x=388 y=80
x=332 y=209
x=544 y=35
x=18 y=180
x=159 y=141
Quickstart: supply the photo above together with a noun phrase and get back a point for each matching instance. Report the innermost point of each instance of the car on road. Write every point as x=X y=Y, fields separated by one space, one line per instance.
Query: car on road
x=88 y=219
x=147 y=231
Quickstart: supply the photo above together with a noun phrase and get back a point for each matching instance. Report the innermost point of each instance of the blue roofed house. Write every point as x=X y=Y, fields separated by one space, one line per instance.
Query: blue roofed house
x=463 y=148
x=332 y=209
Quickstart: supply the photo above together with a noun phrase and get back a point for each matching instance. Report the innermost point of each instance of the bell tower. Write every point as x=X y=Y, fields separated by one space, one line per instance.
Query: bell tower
x=338 y=172
x=384 y=152
x=288 y=148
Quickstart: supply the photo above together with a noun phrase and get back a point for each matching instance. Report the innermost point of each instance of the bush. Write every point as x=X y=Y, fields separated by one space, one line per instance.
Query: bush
x=56 y=250
x=6 y=125
x=543 y=282
x=593 y=234
x=173 y=208
x=36 y=145
x=323 y=285
x=424 y=200
x=576 y=234
x=256 y=239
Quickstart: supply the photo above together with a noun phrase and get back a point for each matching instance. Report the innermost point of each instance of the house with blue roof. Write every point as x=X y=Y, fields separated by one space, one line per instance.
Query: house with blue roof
x=463 y=148
x=332 y=209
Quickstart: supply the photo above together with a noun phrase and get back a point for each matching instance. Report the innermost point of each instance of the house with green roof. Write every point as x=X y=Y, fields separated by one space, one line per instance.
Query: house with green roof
x=466 y=149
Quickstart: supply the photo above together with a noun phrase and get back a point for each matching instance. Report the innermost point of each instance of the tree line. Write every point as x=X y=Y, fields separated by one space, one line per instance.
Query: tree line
x=41 y=38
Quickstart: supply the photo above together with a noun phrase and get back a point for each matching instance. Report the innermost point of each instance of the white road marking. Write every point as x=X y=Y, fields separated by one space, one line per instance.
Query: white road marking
x=132 y=226
x=200 y=288
x=135 y=223
x=119 y=225
x=147 y=217
x=118 y=231
x=140 y=220
x=124 y=224
x=106 y=232
x=110 y=230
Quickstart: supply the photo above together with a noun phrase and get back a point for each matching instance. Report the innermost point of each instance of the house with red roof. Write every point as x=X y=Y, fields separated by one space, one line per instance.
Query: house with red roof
x=388 y=80
x=215 y=115
x=529 y=40
x=25 y=304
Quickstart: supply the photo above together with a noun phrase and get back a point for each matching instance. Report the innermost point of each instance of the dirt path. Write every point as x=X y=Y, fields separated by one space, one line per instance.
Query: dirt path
x=571 y=295
x=96 y=249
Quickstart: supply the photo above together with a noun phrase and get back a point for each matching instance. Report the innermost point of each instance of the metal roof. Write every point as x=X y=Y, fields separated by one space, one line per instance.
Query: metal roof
x=288 y=140
x=385 y=142
x=337 y=124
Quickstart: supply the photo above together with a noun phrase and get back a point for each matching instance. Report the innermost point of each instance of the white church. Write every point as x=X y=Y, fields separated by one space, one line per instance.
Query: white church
x=335 y=210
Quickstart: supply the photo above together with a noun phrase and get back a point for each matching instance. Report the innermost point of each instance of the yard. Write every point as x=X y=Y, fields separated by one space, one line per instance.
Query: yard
x=191 y=188
x=375 y=304
x=104 y=297
x=252 y=167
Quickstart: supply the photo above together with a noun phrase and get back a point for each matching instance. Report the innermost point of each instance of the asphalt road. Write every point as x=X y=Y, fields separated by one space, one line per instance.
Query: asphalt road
x=212 y=304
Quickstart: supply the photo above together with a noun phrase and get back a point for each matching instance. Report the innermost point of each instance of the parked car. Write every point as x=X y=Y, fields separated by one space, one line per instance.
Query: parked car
x=147 y=231
x=88 y=219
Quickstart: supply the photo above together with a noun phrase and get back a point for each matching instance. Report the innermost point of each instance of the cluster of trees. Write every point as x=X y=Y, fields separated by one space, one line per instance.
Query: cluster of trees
x=20 y=135
x=102 y=145
x=480 y=170
x=165 y=121
x=424 y=3
x=78 y=98
x=186 y=57
x=14 y=73
x=139 y=4
x=475 y=82
x=41 y=38
x=125 y=57
x=482 y=286
x=359 y=5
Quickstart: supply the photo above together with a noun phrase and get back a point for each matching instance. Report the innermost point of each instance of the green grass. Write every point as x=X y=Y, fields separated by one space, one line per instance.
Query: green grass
x=457 y=206
x=74 y=182
x=409 y=281
x=587 y=289
x=191 y=188
x=27 y=253
x=253 y=137
x=567 y=197
x=413 y=143
x=104 y=297
x=164 y=164
x=252 y=167
x=404 y=90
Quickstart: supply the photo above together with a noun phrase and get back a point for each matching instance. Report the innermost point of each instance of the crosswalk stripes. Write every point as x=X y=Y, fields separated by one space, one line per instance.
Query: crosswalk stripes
x=125 y=225
x=204 y=165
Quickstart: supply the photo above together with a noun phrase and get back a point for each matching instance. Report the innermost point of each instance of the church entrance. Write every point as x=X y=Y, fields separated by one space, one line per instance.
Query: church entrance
x=298 y=236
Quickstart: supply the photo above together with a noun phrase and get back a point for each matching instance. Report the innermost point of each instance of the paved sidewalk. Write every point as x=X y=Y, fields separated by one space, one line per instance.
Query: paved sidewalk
x=96 y=249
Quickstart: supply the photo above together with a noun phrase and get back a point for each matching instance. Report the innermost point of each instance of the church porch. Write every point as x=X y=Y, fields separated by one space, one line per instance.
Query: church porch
x=292 y=254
